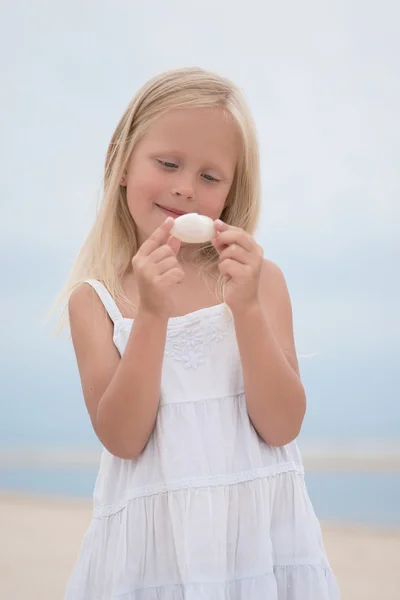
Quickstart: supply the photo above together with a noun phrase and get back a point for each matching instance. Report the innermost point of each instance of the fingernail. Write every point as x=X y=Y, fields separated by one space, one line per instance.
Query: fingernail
x=168 y=220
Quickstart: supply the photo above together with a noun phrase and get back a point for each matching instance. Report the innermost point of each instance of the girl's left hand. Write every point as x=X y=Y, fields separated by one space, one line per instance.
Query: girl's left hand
x=240 y=260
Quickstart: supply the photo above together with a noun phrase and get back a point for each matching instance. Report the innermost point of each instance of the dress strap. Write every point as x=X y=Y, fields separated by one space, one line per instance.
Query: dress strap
x=106 y=298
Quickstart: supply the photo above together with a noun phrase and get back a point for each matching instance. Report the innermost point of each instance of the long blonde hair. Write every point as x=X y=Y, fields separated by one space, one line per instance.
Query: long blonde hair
x=112 y=242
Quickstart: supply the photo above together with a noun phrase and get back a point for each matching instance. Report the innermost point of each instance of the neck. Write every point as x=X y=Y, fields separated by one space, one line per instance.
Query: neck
x=189 y=253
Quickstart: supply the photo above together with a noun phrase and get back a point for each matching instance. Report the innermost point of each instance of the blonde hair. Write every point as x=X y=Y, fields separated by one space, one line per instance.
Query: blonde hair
x=112 y=242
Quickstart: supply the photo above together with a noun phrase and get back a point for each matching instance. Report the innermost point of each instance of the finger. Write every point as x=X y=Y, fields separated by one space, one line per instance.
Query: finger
x=233 y=268
x=174 y=275
x=236 y=253
x=233 y=235
x=160 y=253
x=174 y=243
x=166 y=264
x=220 y=225
x=158 y=237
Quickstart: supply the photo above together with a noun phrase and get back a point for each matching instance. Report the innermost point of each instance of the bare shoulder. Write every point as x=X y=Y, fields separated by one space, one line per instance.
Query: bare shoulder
x=92 y=337
x=90 y=324
x=273 y=282
x=84 y=301
x=276 y=299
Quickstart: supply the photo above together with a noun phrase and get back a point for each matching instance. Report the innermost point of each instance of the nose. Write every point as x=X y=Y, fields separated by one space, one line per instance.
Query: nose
x=183 y=191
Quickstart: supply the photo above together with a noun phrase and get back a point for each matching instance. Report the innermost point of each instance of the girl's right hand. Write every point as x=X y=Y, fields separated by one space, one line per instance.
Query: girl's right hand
x=157 y=270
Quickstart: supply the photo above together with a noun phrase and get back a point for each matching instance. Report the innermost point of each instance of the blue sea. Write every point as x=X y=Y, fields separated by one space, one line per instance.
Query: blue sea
x=362 y=498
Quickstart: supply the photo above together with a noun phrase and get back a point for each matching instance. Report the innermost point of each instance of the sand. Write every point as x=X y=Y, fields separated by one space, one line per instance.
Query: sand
x=40 y=538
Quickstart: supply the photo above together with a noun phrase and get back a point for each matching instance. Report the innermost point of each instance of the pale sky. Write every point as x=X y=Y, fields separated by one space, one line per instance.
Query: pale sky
x=322 y=80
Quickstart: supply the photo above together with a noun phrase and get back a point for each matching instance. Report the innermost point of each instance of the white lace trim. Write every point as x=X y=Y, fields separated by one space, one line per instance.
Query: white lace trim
x=198 y=482
x=191 y=344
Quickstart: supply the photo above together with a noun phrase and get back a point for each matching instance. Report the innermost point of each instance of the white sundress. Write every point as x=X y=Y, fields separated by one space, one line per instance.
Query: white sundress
x=208 y=511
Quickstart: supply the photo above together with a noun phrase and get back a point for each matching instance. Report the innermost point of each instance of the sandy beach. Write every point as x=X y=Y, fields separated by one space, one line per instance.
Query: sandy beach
x=40 y=538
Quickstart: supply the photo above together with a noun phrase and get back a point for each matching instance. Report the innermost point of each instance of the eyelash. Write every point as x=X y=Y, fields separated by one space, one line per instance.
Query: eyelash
x=170 y=165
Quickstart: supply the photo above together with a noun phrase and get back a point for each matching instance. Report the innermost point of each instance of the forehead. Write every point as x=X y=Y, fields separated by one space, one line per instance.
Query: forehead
x=203 y=133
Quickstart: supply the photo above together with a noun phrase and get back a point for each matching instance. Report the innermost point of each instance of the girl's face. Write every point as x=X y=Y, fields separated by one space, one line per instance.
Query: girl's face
x=184 y=163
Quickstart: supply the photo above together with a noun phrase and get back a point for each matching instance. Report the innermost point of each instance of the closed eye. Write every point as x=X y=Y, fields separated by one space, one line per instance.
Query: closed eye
x=209 y=177
x=170 y=165
x=167 y=164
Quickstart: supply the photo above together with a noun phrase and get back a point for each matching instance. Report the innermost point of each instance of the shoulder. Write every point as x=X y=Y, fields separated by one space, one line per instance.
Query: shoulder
x=273 y=282
x=84 y=305
x=91 y=328
x=81 y=296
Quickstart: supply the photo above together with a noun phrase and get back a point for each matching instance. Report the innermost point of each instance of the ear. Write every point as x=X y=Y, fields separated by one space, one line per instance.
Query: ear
x=123 y=179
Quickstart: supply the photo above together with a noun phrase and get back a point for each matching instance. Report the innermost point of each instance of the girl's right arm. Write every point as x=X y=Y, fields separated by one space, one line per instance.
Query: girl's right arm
x=122 y=393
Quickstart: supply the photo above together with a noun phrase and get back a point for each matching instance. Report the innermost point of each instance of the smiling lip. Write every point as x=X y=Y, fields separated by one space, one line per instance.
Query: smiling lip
x=173 y=212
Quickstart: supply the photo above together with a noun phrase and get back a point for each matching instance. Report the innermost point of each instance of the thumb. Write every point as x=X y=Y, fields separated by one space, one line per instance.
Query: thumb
x=174 y=243
x=220 y=225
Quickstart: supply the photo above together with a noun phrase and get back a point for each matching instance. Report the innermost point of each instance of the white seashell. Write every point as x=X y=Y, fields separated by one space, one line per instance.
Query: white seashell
x=193 y=228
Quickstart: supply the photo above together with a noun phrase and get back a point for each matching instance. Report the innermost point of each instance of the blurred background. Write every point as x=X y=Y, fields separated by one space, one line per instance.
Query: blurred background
x=323 y=82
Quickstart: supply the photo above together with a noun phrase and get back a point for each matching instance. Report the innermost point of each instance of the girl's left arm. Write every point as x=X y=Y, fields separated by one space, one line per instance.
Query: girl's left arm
x=257 y=295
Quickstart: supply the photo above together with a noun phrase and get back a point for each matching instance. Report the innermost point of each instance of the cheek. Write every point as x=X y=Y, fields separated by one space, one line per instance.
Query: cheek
x=142 y=190
x=213 y=203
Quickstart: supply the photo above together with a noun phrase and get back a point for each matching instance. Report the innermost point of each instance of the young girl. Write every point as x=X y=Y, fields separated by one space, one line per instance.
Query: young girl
x=188 y=367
